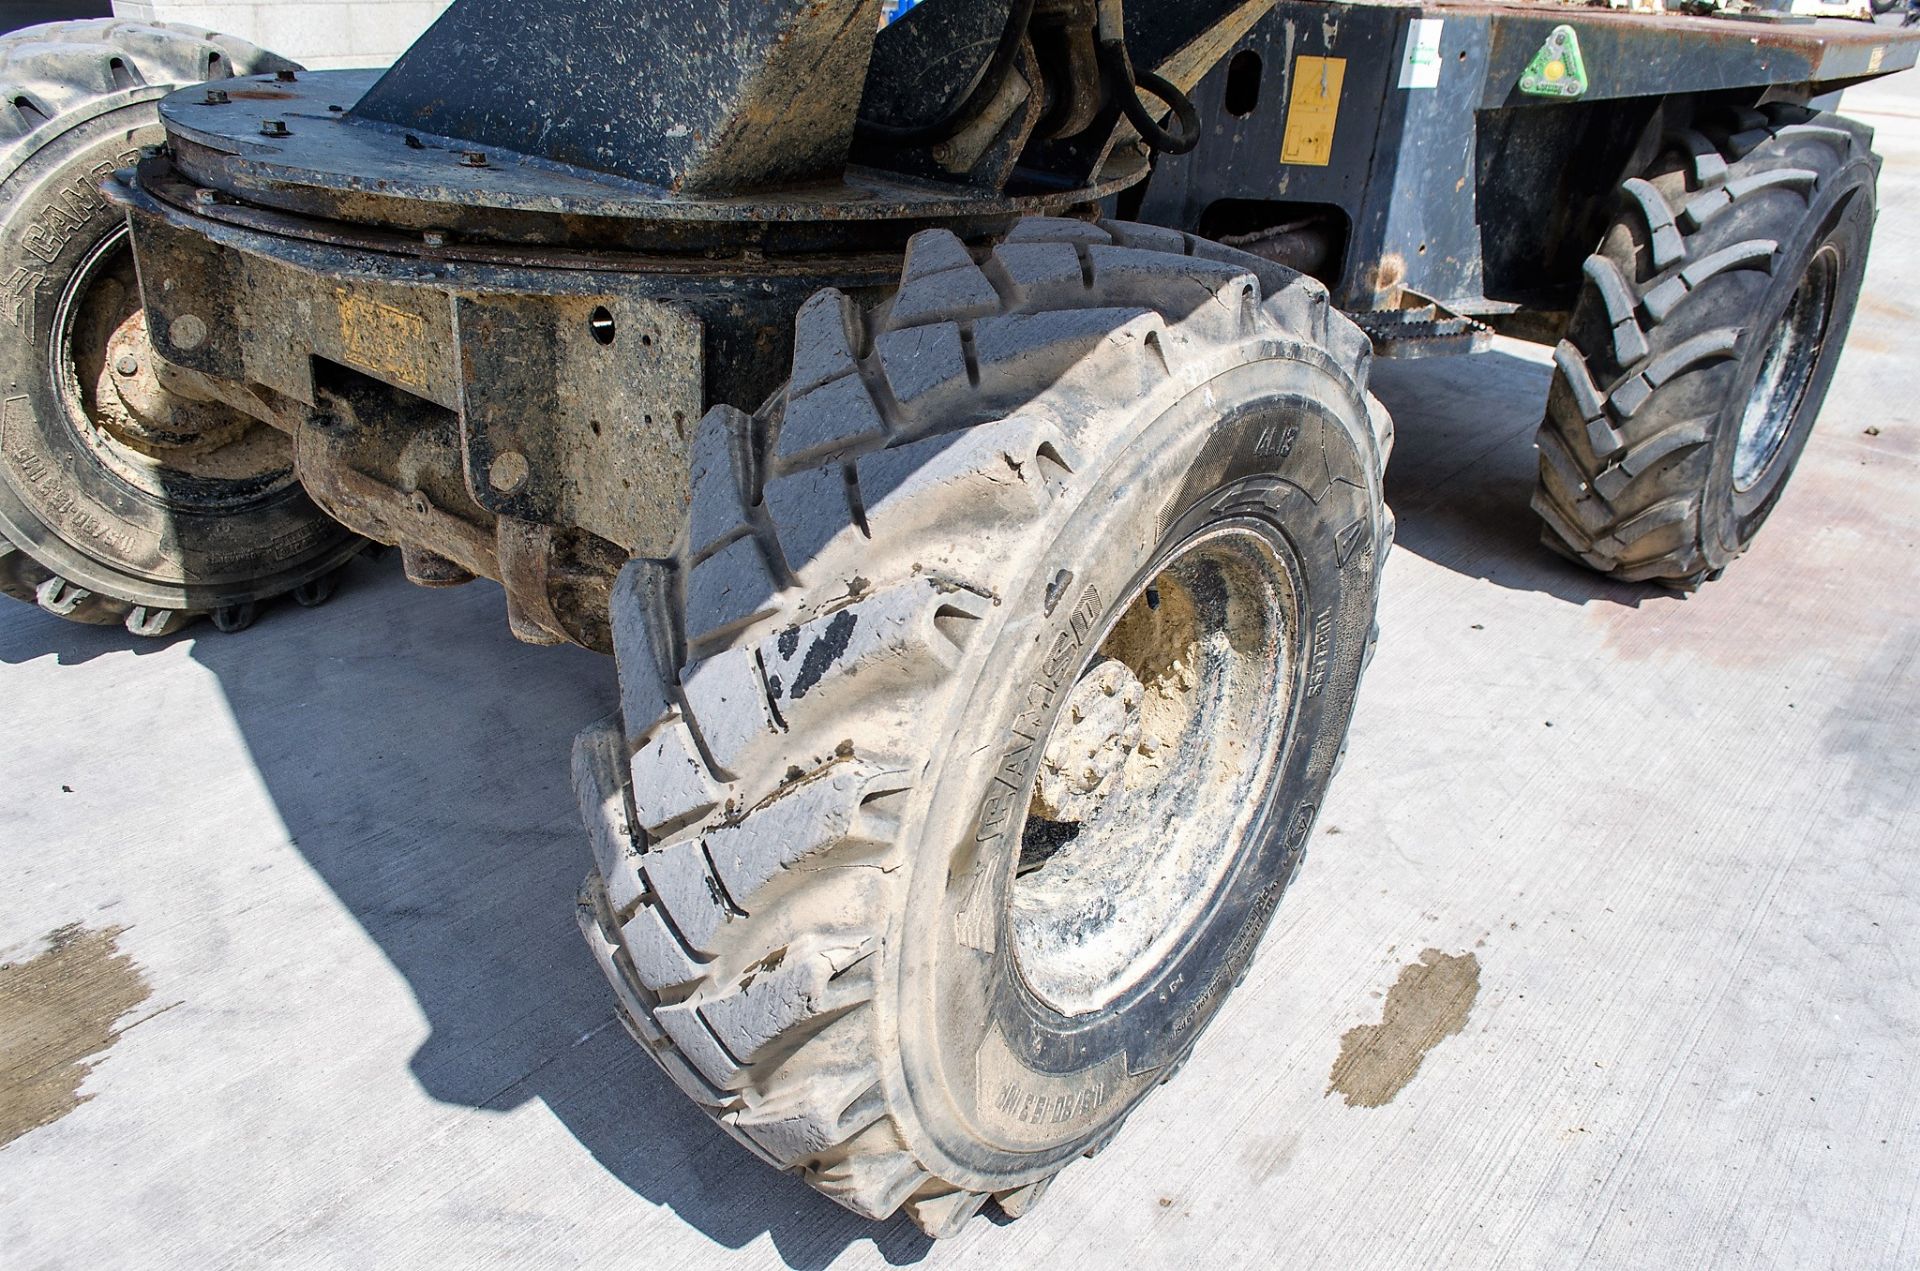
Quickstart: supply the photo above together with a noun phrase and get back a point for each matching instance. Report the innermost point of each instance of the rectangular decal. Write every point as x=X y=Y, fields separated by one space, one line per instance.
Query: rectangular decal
x=1421 y=66
x=382 y=339
x=1313 y=110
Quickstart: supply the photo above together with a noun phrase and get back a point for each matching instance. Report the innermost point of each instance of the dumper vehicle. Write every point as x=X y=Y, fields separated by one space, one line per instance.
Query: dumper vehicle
x=956 y=426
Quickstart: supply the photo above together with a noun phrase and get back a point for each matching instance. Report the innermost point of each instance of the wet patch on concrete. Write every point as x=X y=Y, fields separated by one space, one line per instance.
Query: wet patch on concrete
x=57 y=1015
x=1428 y=1003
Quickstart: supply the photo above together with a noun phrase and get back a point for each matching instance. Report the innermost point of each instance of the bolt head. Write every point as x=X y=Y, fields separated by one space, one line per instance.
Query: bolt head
x=206 y=198
x=216 y=97
x=473 y=158
x=127 y=364
x=273 y=128
x=286 y=76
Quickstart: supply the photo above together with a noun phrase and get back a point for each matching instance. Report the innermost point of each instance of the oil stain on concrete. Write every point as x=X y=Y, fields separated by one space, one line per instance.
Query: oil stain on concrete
x=57 y=1015
x=1429 y=1002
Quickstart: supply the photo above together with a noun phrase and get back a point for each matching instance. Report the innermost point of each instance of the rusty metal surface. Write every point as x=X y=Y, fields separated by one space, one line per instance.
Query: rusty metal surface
x=326 y=167
x=576 y=410
x=497 y=417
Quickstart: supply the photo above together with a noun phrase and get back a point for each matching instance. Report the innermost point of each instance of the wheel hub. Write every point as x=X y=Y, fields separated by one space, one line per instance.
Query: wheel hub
x=1161 y=757
x=1786 y=373
x=1084 y=757
x=144 y=412
x=141 y=421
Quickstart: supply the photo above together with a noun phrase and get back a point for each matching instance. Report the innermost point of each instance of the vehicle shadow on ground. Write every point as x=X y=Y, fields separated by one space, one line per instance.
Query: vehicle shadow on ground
x=425 y=775
x=1463 y=472
x=418 y=757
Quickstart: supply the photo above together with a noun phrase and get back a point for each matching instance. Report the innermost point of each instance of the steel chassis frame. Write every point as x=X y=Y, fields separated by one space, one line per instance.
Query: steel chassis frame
x=490 y=292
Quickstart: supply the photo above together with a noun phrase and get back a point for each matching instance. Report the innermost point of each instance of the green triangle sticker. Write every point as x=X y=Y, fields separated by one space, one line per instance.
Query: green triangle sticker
x=1557 y=70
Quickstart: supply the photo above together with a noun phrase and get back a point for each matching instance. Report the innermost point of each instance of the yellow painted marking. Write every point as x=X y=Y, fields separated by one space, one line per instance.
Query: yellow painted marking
x=380 y=338
x=1313 y=110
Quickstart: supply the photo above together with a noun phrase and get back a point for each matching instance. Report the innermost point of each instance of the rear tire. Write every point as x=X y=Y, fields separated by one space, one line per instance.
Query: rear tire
x=121 y=501
x=1703 y=344
x=1101 y=465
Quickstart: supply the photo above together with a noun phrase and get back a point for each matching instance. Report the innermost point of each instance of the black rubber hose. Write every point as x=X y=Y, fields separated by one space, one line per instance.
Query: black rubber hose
x=949 y=125
x=1117 y=68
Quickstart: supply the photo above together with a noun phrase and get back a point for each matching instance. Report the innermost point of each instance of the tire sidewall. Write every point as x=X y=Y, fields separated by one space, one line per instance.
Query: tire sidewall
x=1842 y=216
x=63 y=505
x=1003 y=1094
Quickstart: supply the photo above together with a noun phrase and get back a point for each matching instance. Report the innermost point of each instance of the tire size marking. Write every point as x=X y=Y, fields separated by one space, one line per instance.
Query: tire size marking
x=1322 y=643
x=1237 y=955
x=1240 y=952
x=1040 y=1108
x=56 y=501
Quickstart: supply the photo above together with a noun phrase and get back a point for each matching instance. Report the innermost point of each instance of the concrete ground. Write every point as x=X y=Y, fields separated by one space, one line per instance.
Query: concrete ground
x=310 y=889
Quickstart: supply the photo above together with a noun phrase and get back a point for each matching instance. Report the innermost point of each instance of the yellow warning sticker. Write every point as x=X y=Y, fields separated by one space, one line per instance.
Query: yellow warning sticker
x=1313 y=110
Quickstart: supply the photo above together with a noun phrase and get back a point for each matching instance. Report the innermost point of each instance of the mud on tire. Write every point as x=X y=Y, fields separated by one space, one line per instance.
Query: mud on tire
x=1703 y=343
x=808 y=829
x=106 y=518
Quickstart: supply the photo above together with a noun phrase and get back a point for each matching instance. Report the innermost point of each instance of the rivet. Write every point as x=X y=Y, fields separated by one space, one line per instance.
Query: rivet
x=187 y=332
x=508 y=471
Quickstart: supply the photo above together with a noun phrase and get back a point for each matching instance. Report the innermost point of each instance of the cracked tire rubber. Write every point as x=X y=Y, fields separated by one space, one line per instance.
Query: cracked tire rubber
x=803 y=833
x=1716 y=252
x=90 y=529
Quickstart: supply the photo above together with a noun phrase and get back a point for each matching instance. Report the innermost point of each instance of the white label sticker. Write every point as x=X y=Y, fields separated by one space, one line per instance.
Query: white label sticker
x=1421 y=67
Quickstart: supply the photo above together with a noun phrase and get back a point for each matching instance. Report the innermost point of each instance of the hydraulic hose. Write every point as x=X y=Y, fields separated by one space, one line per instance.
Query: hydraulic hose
x=1117 y=69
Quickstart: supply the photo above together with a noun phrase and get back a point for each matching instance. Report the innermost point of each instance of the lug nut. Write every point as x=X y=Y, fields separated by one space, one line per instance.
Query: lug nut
x=273 y=128
x=127 y=365
x=216 y=97
x=473 y=158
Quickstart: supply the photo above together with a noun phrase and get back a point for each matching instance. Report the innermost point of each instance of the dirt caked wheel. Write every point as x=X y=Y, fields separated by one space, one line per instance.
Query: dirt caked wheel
x=125 y=496
x=969 y=743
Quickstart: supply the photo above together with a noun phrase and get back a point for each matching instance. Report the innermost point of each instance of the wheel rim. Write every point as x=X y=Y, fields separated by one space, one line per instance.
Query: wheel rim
x=191 y=456
x=1786 y=372
x=1162 y=756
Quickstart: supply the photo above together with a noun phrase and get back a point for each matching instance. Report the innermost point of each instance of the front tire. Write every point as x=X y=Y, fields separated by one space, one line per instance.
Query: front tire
x=1704 y=342
x=123 y=498
x=969 y=747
